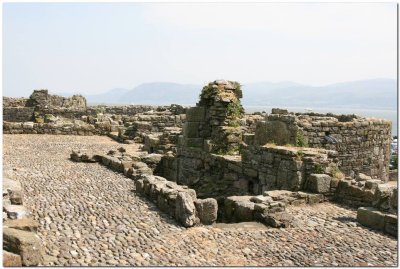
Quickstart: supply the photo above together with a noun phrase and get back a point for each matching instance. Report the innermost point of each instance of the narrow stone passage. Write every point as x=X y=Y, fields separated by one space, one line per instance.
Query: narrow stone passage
x=90 y=215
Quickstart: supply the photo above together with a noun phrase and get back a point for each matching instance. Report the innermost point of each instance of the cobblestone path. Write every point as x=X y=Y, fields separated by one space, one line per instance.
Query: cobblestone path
x=90 y=215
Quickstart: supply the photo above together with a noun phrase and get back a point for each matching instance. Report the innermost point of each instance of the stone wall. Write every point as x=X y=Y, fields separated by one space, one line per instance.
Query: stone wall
x=132 y=110
x=179 y=201
x=363 y=144
x=14 y=102
x=273 y=167
x=63 y=128
x=41 y=99
x=17 y=114
x=268 y=208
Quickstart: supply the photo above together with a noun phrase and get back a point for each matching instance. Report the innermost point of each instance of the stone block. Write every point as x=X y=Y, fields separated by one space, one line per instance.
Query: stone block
x=382 y=196
x=15 y=211
x=362 y=177
x=185 y=211
x=278 y=220
x=371 y=217
x=25 y=224
x=139 y=185
x=261 y=199
x=244 y=211
x=315 y=198
x=391 y=224
x=207 y=210
x=11 y=259
x=26 y=244
x=195 y=114
x=13 y=189
x=372 y=183
x=319 y=183
x=393 y=199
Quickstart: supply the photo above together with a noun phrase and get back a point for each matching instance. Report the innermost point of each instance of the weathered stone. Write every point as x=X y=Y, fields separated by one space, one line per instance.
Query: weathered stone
x=372 y=183
x=371 y=217
x=391 y=224
x=185 y=210
x=382 y=196
x=15 y=211
x=207 y=210
x=11 y=259
x=261 y=199
x=319 y=183
x=315 y=198
x=195 y=114
x=26 y=224
x=278 y=220
x=26 y=244
x=393 y=199
x=362 y=177
x=244 y=211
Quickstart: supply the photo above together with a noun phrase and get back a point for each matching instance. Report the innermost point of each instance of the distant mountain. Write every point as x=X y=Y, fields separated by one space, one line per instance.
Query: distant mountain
x=112 y=96
x=374 y=93
x=371 y=94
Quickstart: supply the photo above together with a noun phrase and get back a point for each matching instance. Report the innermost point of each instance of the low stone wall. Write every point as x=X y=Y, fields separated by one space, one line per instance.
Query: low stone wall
x=258 y=169
x=377 y=220
x=365 y=192
x=64 y=128
x=132 y=110
x=21 y=244
x=180 y=202
x=268 y=208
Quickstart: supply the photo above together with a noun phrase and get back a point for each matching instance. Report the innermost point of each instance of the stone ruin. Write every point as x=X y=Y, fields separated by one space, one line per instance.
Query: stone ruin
x=213 y=162
x=40 y=104
x=21 y=244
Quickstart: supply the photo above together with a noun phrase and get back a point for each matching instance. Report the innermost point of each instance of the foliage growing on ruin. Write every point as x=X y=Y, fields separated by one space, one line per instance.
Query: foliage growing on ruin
x=206 y=92
x=233 y=123
x=335 y=171
x=301 y=141
x=319 y=168
x=234 y=109
x=299 y=155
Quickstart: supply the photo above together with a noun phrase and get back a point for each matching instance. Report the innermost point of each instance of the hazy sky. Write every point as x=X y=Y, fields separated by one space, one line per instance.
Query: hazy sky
x=93 y=47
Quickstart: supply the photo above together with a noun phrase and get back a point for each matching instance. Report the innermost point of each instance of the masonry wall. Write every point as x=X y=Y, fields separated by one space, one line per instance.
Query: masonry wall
x=17 y=114
x=47 y=128
x=363 y=143
x=257 y=169
x=131 y=110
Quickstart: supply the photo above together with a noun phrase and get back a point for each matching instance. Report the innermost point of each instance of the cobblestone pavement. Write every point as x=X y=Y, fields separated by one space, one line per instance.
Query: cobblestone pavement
x=90 y=215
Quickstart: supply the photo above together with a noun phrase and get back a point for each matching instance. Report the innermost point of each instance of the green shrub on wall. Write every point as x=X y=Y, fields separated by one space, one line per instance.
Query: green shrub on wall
x=301 y=141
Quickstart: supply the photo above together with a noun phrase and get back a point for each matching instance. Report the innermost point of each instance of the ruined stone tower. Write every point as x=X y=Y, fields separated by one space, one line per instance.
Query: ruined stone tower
x=213 y=124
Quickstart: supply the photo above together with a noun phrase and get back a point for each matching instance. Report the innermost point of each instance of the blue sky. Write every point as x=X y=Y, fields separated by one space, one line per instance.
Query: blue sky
x=93 y=47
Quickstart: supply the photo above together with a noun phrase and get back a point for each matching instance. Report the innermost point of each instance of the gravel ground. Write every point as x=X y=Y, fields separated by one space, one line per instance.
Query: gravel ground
x=90 y=215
